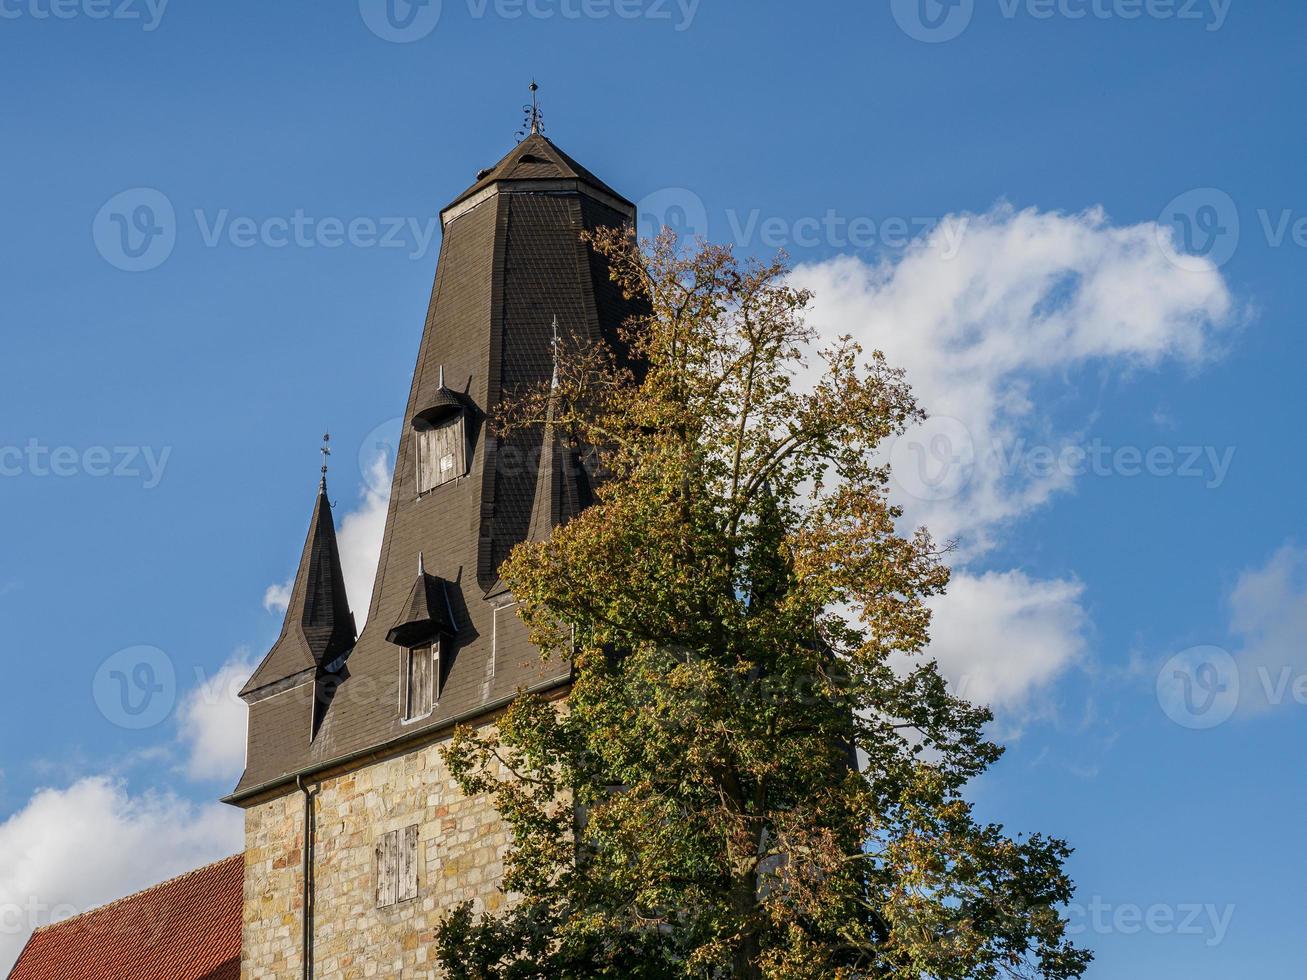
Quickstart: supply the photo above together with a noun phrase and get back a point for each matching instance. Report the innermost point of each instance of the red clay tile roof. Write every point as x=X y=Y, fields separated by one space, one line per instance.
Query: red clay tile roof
x=188 y=928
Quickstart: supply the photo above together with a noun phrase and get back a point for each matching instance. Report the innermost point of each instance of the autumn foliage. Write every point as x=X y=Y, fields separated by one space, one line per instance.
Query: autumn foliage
x=744 y=781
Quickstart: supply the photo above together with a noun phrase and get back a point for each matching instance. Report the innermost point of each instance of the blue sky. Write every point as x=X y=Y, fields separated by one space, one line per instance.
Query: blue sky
x=1076 y=223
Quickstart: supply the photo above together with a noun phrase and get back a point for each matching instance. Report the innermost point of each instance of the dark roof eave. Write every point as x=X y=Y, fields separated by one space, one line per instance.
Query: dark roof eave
x=267 y=689
x=560 y=185
x=240 y=796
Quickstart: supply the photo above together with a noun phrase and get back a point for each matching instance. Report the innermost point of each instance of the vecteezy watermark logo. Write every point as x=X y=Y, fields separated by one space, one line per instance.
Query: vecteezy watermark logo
x=837 y=231
x=1210 y=464
x=405 y=21
x=1099 y=917
x=1210 y=13
x=1200 y=229
x=937 y=459
x=933 y=21
x=136 y=230
x=136 y=688
x=148 y=12
x=20 y=918
x=683 y=211
x=666 y=11
x=34 y=459
x=676 y=208
x=934 y=460
x=401 y=21
x=302 y=230
x=1199 y=687
x=377 y=455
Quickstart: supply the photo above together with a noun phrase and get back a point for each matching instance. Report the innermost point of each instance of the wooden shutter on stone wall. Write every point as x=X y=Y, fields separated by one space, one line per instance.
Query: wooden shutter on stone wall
x=397 y=867
x=386 y=869
x=407 y=879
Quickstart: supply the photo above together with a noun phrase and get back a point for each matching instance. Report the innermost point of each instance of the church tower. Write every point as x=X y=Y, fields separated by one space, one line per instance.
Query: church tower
x=358 y=842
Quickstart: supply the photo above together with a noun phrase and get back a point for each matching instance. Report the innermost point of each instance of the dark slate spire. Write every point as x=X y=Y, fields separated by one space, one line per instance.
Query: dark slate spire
x=555 y=492
x=512 y=256
x=319 y=626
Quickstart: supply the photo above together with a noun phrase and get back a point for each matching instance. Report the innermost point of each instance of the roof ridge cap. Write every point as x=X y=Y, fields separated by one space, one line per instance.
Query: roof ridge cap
x=137 y=894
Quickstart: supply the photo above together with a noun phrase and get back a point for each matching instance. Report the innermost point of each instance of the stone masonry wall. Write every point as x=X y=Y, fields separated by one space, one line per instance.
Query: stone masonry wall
x=461 y=848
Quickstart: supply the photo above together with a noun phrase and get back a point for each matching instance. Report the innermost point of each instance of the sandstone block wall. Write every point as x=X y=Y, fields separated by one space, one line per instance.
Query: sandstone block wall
x=461 y=849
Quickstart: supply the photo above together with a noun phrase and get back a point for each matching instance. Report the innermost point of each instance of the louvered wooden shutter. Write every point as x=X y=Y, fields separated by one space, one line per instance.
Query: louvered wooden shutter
x=453 y=450
x=407 y=876
x=420 y=698
x=397 y=867
x=386 y=870
x=427 y=463
x=442 y=454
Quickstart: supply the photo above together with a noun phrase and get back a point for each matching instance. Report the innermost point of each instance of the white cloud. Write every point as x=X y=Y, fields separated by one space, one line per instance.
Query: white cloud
x=276 y=598
x=69 y=850
x=989 y=314
x=1026 y=298
x=1268 y=615
x=360 y=534
x=212 y=723
x=1002 y=637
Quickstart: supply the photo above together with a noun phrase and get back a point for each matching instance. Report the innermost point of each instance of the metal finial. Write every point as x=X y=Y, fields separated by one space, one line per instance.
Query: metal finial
x=534 y=123
x=326 y=453
x=422 y=564
x=442 y=376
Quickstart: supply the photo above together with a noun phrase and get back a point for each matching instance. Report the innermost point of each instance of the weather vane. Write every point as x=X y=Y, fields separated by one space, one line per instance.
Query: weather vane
x=326 y=452
x=535 y=120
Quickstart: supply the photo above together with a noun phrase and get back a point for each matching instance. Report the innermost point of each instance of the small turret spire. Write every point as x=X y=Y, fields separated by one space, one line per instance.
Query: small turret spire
x=326 y=454
x=319 y=626
x=557 y=493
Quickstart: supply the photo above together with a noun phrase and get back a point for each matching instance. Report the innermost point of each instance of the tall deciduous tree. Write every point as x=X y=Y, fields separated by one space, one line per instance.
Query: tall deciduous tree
x=745 y=781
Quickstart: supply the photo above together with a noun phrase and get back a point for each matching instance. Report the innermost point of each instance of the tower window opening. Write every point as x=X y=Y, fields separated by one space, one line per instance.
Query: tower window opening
x=422 y=681
x=442 y=454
